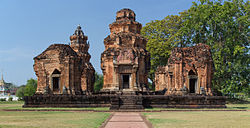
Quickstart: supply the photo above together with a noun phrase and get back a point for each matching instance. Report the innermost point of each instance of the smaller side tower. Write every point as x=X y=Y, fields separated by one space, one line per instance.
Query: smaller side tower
x=65 y=69
x=86 y=72
x=189 y=71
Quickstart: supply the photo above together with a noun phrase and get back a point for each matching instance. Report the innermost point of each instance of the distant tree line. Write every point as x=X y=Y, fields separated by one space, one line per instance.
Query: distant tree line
x=221 y=24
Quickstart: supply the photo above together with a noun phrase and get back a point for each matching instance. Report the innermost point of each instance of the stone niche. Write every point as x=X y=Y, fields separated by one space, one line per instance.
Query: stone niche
x=189 y=71
x=125 y=62
x=65 y=69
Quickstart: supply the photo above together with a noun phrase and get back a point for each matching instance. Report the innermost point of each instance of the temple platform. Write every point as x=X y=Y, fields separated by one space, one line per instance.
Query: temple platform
x=125 y=101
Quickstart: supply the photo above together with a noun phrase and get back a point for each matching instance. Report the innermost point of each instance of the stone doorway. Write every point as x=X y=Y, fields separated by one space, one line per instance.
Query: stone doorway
x=192 y=85
x=56 y=83
x=55 y=80
x=125 y=81
x=192 y=81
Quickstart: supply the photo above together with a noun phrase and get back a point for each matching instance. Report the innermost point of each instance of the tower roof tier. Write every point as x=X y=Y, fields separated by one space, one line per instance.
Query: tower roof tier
x=125 y=31
x=125 y=22
x=125 y=14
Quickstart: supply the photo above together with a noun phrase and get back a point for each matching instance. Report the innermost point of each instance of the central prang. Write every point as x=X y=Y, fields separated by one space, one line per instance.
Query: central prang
x=125 y=61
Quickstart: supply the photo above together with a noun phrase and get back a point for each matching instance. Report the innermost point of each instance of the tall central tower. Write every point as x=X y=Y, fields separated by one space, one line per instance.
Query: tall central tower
x=125 y=62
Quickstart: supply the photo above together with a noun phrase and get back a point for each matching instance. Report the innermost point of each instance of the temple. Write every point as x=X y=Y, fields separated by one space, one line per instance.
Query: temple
x=66 y=77
x=125 y=62
x=189 y=71
x=65 y=69
x=3 y=88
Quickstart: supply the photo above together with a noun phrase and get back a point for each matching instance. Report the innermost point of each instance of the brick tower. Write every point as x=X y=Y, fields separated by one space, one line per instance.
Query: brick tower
x=125 y=62
x=65 y=69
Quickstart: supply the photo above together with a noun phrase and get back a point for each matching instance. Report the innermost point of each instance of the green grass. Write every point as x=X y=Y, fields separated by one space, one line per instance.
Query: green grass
x=51 y=119
x=94 y=119
x=197 y=119
x=19 y=104
x=238 y=106
x=11 y=102
x=229 y=107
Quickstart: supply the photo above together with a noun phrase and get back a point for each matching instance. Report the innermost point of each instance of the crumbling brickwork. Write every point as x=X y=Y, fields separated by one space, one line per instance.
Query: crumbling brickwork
x=65 y=69
x=189 y=70
x=125 y=62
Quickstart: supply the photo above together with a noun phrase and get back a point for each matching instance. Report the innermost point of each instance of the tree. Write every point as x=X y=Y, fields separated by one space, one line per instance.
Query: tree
x=30 y=87
x=223 y=25
x=20 y=92
x=10 y=86
x=98 y=82
x=162 y=38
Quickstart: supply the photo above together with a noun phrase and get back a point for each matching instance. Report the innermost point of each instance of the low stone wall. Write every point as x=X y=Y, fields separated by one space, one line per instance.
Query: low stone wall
x=188 y=101
x=125 y=102
x=67 y=101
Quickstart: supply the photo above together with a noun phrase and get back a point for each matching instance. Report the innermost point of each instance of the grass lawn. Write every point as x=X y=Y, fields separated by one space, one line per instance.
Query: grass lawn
x=238 y=106
x=204 y=119
x=52 y=119
x=19 y=104
x=229 y=107
x=189 y=119
x=200 y=119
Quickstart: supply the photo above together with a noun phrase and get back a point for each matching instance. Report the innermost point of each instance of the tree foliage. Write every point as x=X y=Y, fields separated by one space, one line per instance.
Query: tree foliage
x=162 y=37
x=20 y=92
x=10 y=86
x=98 y=82
x=224 y=26
x=30 y=87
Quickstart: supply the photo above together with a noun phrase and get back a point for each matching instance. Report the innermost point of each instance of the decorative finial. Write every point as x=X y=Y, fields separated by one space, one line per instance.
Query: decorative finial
x=78 y=31
x=79 y=26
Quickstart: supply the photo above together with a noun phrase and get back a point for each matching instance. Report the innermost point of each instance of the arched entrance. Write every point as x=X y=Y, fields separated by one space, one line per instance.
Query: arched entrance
x=192 y=81
x=55 y=80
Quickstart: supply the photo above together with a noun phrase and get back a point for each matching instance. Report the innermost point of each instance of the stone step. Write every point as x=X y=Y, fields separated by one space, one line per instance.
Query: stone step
x=130 y=93
x=131 y=107
x=132 y=101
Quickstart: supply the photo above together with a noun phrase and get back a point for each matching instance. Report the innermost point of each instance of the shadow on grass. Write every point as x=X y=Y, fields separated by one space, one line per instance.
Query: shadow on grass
x=240 y=107
x=237 y=101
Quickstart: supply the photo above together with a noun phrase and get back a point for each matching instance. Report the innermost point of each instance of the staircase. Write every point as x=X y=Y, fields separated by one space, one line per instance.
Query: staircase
x=127 y=101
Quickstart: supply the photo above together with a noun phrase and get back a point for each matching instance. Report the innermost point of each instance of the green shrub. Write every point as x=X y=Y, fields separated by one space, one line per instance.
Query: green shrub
x=3 y=99
x=20 y=99
x=10 y=99
x=241 y=96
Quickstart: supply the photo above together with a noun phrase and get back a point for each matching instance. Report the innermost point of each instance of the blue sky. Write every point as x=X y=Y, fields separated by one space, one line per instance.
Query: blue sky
x=28 y=27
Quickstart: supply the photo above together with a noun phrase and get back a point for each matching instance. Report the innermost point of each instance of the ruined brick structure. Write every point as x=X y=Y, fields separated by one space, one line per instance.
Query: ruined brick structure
x=189 y=70
x=65 y=69
x=125 y=62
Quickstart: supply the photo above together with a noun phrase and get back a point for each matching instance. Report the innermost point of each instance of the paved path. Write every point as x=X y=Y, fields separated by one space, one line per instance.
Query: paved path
x=127 y=120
